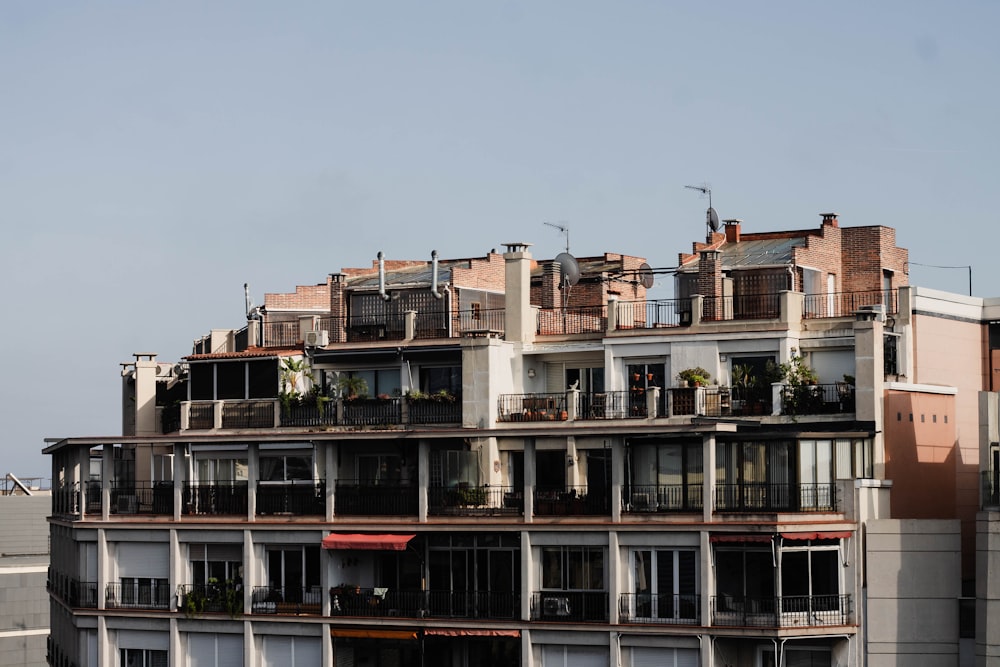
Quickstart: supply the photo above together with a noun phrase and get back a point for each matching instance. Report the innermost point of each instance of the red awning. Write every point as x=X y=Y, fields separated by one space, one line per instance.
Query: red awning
x=452 y=632
x=366 y=542
x=739 y=538
x=351 y=633
x=817 y=536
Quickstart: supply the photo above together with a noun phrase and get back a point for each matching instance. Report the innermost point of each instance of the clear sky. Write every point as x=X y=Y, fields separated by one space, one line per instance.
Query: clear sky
x=155 y=156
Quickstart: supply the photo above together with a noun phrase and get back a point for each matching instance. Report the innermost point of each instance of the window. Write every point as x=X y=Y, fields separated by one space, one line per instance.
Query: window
x=666 y=476
x=221 y=562
x=744 y=575
x=435 y=379
x=293 y=572
x=380 y=382
x=286 y=467
x=573 y=568
x=383 y=469
x=222 y=470
x=810 y=576
x=587 y=379
x=665 y=584
x=142 y=657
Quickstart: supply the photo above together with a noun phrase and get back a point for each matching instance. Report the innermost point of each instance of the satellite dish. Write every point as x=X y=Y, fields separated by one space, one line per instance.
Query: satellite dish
x=712 y=218
x=645 y=274
x=569 y=267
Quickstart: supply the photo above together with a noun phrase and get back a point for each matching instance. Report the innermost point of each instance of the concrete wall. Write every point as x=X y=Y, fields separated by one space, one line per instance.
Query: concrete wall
x=988 y=589
x=24 y=559
x=913 y=586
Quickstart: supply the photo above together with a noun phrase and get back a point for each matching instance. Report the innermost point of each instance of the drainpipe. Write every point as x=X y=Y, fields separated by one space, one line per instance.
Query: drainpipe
x=381 y=276
x=434 y=275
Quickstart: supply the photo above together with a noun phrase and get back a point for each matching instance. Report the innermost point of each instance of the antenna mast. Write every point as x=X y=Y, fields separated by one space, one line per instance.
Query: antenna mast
x=711 y=216
x=562 y=228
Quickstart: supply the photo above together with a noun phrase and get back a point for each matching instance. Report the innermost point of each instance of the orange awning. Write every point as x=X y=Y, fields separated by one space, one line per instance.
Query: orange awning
x=455 y=632
x=835 y=535
x=367 y=542
x=350 y=633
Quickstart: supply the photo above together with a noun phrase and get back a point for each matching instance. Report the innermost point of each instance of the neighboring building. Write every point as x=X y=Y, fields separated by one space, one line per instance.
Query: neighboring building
x=24 y=562
x=492 y=461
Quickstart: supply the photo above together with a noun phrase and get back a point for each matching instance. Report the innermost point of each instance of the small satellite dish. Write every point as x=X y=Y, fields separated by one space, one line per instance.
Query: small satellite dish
x=712 y=218
x=645 y=274
x=569 y=267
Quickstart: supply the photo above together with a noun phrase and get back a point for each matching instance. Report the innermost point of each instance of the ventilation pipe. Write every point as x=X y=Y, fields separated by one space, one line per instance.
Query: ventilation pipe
x=434 y=275
x=381 y=277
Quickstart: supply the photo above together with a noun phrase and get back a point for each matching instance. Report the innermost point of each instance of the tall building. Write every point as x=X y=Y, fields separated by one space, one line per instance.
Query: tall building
x=508 y=461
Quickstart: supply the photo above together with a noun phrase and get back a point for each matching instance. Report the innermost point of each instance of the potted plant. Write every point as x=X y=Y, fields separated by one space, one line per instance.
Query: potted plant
x=694 y=377
x=744 y=384
x=352 y=387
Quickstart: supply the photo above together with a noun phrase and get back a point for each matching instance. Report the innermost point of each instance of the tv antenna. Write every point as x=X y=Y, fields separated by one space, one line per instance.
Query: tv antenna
x=562 y=228
x=711 y=215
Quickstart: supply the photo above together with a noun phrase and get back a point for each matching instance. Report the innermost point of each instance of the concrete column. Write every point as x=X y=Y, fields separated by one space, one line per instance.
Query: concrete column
x=573 y=474
x=869 y=388
x=572 y=404
x=332 y=472
x=250 y=569
x=708 y=481
x=615 y=576
x=175 y=656
x=175 y=563
x=145 y=394
x=250 y=657
x=217 y=414
x=792 y=305
x=612 y=314
x=707 y=581
x=105 y=652
x=528 y=574
x=519 y=324
x=423 y=478
x=180 y=476
x=618 y=473
x=653 y=402
x=409 y=325
x=697 y=306
x=107 y=467
x=103 y=567
x=529 y=480
x=327 y=645
x=253 y=477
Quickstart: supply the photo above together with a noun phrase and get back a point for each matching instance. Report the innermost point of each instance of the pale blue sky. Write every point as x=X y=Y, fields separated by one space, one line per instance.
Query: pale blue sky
x=155 y=156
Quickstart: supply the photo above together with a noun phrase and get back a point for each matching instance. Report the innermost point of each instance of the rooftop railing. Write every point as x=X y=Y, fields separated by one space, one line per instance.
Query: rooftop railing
x=142 y=497
x=572 y=320
x=770 y=497
x=844 y=304
x=780 y=612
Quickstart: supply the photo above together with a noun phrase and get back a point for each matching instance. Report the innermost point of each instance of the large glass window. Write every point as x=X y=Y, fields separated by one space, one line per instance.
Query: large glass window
x=218 y=562
x=810 y=576
x=435 y=379
x=142 y=657
x=666 y=476
x=665 y=583
x=286 y=467
x=744 y=574
x=573 y=568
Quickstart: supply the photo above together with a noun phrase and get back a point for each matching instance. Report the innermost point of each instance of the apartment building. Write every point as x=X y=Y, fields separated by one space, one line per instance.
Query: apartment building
x=509 y=461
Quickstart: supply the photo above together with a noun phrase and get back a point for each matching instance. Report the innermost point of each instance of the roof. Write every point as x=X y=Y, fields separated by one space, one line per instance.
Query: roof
x=419 y=275
x=760 y=252
x=249 y=353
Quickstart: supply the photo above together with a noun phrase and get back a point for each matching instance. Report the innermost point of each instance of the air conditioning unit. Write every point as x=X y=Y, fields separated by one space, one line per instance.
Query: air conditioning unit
x=319 y=338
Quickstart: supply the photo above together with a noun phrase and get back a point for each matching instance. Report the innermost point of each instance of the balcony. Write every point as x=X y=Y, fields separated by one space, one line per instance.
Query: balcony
x=434 y=410
x=298 y=498
x=475 y=500
x=286 y=600
x=213 y=598
x=766 y=497
x=142 y=498
x=369 y=498
x=781 y=612
x=309 y=414
x=612 y=405
x=215 y=498
x=569 y=606
x=571 y=501
x=532 y=407
x=76 y=594
x=572 y=320
x=660 y=609
x=817 y=399
x=372 y=411
x=138 y=594
x=384 y=603
x=663 y=498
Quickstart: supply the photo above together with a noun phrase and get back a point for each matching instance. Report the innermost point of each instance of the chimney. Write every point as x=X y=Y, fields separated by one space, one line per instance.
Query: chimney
x=145 y=394
x=710 y=282
x=733 y=230
x=338 y=306
x=519 y=324
x=829 y=219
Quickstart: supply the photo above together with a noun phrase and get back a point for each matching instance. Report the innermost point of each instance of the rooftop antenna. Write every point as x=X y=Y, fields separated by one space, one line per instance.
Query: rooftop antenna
x=562 y=228
x=711 y=216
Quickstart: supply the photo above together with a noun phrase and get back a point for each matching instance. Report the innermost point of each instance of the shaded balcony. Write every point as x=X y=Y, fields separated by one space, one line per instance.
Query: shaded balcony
x=660 y=609
x=781 y=612
x=990 y=488
x=569 y=606
x=532 y=407
x=142 y=497
x=286 y=600
x=215 y=598
x=372 y=411
x=663 y=498
x=572 y=320
x=772 y=497
x=466 y=500
x=75 y=593
x=215 y=498
x=138 y=594
x=369 y=498
x=296 y=497
x=571 y=501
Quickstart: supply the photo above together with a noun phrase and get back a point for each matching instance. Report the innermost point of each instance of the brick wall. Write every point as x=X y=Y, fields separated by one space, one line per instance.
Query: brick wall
x=305 y=297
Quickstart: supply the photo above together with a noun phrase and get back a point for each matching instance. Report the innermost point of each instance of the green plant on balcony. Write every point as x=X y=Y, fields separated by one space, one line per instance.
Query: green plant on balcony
x=472 y=496
x=293 y=372
x=800 y=394
x=225 y=596
x=694 y=377
x=352 y=387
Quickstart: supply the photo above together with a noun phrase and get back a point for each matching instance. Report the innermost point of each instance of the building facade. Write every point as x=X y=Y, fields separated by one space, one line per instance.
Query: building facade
x=508 y=461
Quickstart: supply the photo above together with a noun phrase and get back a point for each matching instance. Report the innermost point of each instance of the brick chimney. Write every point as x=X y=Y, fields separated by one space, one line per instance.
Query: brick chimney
x=710 y=282
x=338 y=306
x=830 y=220
x=733 y=230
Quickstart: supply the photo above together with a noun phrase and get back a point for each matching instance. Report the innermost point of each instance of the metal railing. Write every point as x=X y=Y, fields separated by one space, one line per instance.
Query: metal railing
x=611 y=405
x=571 y=501
x=225 y=597
x=484 y=320
x=138 y=594
x=248 y=414
x=201 y=415
x=280 y=333
x=75 y=593
x=845 y=304
x=433 y=410
x=170 y=418
x=374 y=498
x=295 y=497
x=780 y=612
x=66 y=499
x=572 y=320
x=663 y=498
x=312 y=413
x=286 y=600
x=743 y=307
x=373 y=411
x=531 y=407
x=817 y=399
x=659 y=609
x=386 y=602
x=215 y=498
x=142 y=498
x=373 y=328
x=769 y=497
x=473 y=604
x=569 y=606
x=475 y=500
x=658 y=314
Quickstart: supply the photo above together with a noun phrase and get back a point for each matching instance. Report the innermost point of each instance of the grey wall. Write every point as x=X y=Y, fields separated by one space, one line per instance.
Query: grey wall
x=24 y=558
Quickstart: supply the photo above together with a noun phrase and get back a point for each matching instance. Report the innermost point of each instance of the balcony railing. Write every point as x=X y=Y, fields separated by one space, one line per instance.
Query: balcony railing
x=434 y=410
x=138 y=594
x=66 y=499
x=473 y=604
x=845 y=304
x=481 y=321
x=142 y=498
x=373 y=328
x=76 y=594
x=571 y=501
x=663 y=498
x=215 y=498
x=572 y=320
x=783 y=612
x=532 y=407
x=569 y=606
x=475 y=500
x=660 y=609
x=374 y=498
x=298 y=497
x=248 y=414
x=817 y=399
x=372 y=411
x=309 y=414
x=215 y=598
x=766 y=497
x=612 y=405
x=286 y=600
x=658 y=314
